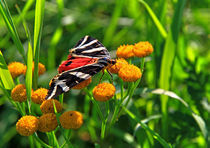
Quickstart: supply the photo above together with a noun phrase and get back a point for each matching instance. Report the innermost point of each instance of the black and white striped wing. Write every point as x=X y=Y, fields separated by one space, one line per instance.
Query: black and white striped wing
x=89 y=47
x=64 y=81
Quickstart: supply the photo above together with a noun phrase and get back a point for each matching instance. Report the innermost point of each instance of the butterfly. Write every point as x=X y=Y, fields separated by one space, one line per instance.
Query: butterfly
x=87 y=58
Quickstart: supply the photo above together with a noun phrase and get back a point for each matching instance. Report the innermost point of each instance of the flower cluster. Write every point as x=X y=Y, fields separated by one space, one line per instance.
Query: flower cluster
x=141 y=49
x=27 y=125
x=51 y=109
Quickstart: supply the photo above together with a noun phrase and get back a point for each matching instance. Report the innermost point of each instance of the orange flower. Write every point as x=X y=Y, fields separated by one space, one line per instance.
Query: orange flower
x=41 y=69
x=47 y=106
x=104 y=91
x=129 y=73
x=119 y=64
x=16 y=69
x=125 y=51
x=47 y=122
x=71 y=120
x=27 y=125
x=83 y=84
x=142 y=49
x=39 y=95
x=19 y=93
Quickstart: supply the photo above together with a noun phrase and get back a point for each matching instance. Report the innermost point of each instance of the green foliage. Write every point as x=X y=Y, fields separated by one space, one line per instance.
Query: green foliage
x=167 y=107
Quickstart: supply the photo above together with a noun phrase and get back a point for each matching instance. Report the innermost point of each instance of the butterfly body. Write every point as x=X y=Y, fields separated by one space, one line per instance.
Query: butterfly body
x=85 y=60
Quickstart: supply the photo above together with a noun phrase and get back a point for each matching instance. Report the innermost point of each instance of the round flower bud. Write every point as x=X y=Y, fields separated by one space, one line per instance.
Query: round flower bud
x=16 y=69
x=119 y=64
x=83 y=84
x=129 y=73
x=47 y=106
x=41 y=68
x=125 y=51
x=71 y=120
x=27 y=125
x=104 y=91
x=39 y=95
x=19 y=93
x=47 y=122
x=142 y=49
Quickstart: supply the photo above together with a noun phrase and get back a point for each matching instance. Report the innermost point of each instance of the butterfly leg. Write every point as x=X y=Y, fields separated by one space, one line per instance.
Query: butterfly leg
x=110 y=75
x=101 y=76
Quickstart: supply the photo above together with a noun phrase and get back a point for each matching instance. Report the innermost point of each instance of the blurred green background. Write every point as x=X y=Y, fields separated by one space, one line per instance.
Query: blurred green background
x=180 y=63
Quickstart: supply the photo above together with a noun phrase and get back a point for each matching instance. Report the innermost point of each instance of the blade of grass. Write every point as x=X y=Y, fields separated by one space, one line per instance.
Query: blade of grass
x=28 y=80
x=154 y=18
x=145 y=127
x=11 y=27
x=5 y=75
x=113 y=24
x=52 y=50
x=167 y=61
x=38 y=23
x=198 y=119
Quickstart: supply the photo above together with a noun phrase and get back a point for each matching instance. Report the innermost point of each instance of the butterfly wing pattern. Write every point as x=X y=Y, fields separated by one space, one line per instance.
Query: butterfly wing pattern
x=89 y=47
x=86 y=59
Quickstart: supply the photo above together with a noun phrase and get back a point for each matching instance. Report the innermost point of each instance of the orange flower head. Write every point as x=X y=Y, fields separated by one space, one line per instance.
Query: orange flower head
x=119 y=64
x=16 y=69
x=47 y=106
x=103 y=91
x=125 y=51
x=142 y=49
x=27 y=125
x=41 y=69
x=39 y=95
x=129 y=73
x=47 y=122
x=71 y=120
x=83 y=84
x=19 y=93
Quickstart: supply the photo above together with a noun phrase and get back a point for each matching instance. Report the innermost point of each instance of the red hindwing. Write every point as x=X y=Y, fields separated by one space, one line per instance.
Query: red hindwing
x=75 y=62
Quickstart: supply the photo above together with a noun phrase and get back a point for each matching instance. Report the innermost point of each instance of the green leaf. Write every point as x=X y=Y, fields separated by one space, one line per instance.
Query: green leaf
x=168 y=58
x=197 y=118
x=5 y=74
x=145 y=127
x=11 y=27
x=155 y=19
x=28 y=80
x=39 y=15
x=113 y=23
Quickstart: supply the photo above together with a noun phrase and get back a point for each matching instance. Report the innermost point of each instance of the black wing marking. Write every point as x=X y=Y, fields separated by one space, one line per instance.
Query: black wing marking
x=89 y=47
x=64 y=81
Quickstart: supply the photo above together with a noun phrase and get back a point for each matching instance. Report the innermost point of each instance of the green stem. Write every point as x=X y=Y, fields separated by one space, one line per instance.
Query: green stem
x=96 y=104
x=61 y=99
x=103 y=128
x=41 y=142
x=22 y=112
x=67 y=138
x=31 y=141
x=29 y=106
x=55 y=140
